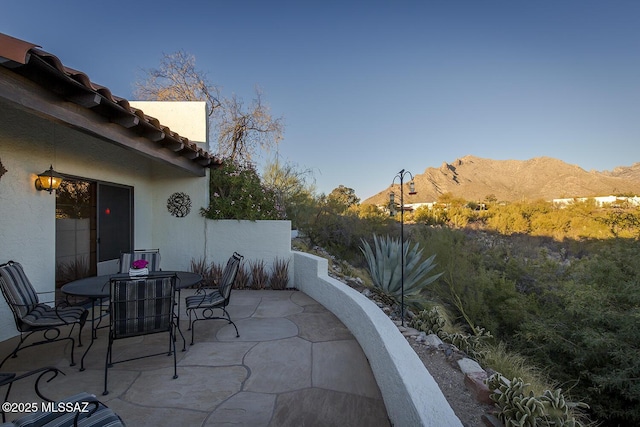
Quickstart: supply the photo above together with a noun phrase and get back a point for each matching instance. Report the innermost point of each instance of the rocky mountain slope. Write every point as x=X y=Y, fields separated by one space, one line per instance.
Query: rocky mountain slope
x=474 y=179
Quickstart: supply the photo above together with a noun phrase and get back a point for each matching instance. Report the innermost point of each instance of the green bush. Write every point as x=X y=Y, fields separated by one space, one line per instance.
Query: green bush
x=235 y=192
x=590 y=329
x=341 y=233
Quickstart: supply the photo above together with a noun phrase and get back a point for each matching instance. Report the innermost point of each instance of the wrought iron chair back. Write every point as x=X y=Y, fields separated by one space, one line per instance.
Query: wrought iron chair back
x=229 y=276
x=31 y=315
x=141 y=306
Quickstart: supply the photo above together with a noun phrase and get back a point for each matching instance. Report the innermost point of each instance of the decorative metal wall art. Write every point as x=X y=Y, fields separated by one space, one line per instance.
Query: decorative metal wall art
x=2 y=169
x=179 y=204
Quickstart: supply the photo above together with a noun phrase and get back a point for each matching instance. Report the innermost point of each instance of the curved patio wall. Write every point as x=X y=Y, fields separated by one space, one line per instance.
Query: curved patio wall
x=411 y=395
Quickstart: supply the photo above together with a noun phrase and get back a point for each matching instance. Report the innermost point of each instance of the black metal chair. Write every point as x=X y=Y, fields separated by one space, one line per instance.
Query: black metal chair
x=152 y=256
x=219 y=298
x=33 y=316
x=82 y=409
x=141 y=306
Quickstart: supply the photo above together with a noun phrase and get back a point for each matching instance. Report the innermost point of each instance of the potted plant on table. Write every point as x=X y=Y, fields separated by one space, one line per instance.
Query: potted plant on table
x=139 y=268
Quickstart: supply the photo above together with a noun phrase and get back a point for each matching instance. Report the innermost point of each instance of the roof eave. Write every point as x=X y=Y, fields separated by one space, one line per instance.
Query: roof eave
x=37 y=81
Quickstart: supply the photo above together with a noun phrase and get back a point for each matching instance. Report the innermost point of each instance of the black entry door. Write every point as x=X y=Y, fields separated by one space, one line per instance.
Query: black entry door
x=115 y=221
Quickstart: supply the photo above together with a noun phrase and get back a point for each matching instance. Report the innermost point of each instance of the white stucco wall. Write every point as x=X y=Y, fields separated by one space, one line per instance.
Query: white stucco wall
x=411 y=395
x=27 y=216
x=28 y=145
x=255 y=240
x=178 y=238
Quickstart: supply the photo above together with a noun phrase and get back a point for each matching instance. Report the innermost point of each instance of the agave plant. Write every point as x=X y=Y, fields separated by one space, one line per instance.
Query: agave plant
x=385 y=267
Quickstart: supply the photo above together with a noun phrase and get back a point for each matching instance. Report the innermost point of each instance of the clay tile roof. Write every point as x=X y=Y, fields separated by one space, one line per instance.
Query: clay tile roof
x=46 y=69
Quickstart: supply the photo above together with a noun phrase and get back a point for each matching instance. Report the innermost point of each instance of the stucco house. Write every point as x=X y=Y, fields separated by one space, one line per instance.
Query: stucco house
x=124 y=164
x=127 y=174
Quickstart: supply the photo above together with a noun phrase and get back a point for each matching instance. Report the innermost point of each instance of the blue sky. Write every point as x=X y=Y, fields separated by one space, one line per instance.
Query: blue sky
x=367 y=88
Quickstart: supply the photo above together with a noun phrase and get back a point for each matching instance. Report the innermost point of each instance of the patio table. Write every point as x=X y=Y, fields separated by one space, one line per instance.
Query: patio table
x=96 y=288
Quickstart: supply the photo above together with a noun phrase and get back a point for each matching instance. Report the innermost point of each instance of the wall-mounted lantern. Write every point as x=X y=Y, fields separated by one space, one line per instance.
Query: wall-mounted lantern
x=48 y=180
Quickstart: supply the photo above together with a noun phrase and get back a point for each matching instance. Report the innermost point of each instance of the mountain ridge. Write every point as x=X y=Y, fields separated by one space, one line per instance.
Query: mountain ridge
x=475 y=179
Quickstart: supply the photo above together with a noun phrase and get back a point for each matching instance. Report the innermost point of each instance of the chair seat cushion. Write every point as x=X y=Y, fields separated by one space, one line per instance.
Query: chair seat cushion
x=102 y=417
x=203 y=301
x=43 y=315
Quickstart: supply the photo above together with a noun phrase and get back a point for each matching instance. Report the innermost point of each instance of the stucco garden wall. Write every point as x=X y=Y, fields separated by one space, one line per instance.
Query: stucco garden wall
x=411 y=395
x=255 y=240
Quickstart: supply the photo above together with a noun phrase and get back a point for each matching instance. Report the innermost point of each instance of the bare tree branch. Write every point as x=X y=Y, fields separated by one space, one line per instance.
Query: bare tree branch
x=240 y=132
x=177 y=79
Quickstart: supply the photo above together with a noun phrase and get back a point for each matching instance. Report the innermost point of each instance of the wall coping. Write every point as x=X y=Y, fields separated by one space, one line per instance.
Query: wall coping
x=411 y=395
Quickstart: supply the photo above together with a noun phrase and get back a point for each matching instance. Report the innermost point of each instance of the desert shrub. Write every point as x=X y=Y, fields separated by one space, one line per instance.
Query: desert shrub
x=341 y=233
x=575 y=315
x=279 y=274
x=554 y=295
x=429 y=216
x=589 y=329
x=511 y=364
x=470 y=287
x=259 y=274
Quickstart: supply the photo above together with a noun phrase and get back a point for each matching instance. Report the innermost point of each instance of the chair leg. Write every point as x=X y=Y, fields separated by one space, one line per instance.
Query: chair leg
x=234 y=325
x=231 y=321
x=46 y=340
x=191 y=323
x=175 y=360
x=107 y=360
x=190 y=311
x=184 y=341
x=209 y=317
x=73 y=344
x=83 y=321
x=85 y=354
x=14 y=353
x=192 y=327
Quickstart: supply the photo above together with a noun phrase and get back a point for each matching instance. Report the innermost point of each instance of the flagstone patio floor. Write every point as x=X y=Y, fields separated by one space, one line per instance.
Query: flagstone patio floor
x=294 y=364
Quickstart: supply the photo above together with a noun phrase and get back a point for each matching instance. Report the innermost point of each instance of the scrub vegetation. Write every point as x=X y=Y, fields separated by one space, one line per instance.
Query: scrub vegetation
x=547 y=295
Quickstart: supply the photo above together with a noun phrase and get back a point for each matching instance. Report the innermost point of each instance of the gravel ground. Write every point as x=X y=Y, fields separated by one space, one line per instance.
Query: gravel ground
x=451 y=382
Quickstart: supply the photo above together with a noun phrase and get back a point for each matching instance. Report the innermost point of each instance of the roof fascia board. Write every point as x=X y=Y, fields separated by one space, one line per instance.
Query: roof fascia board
x=29 y=97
